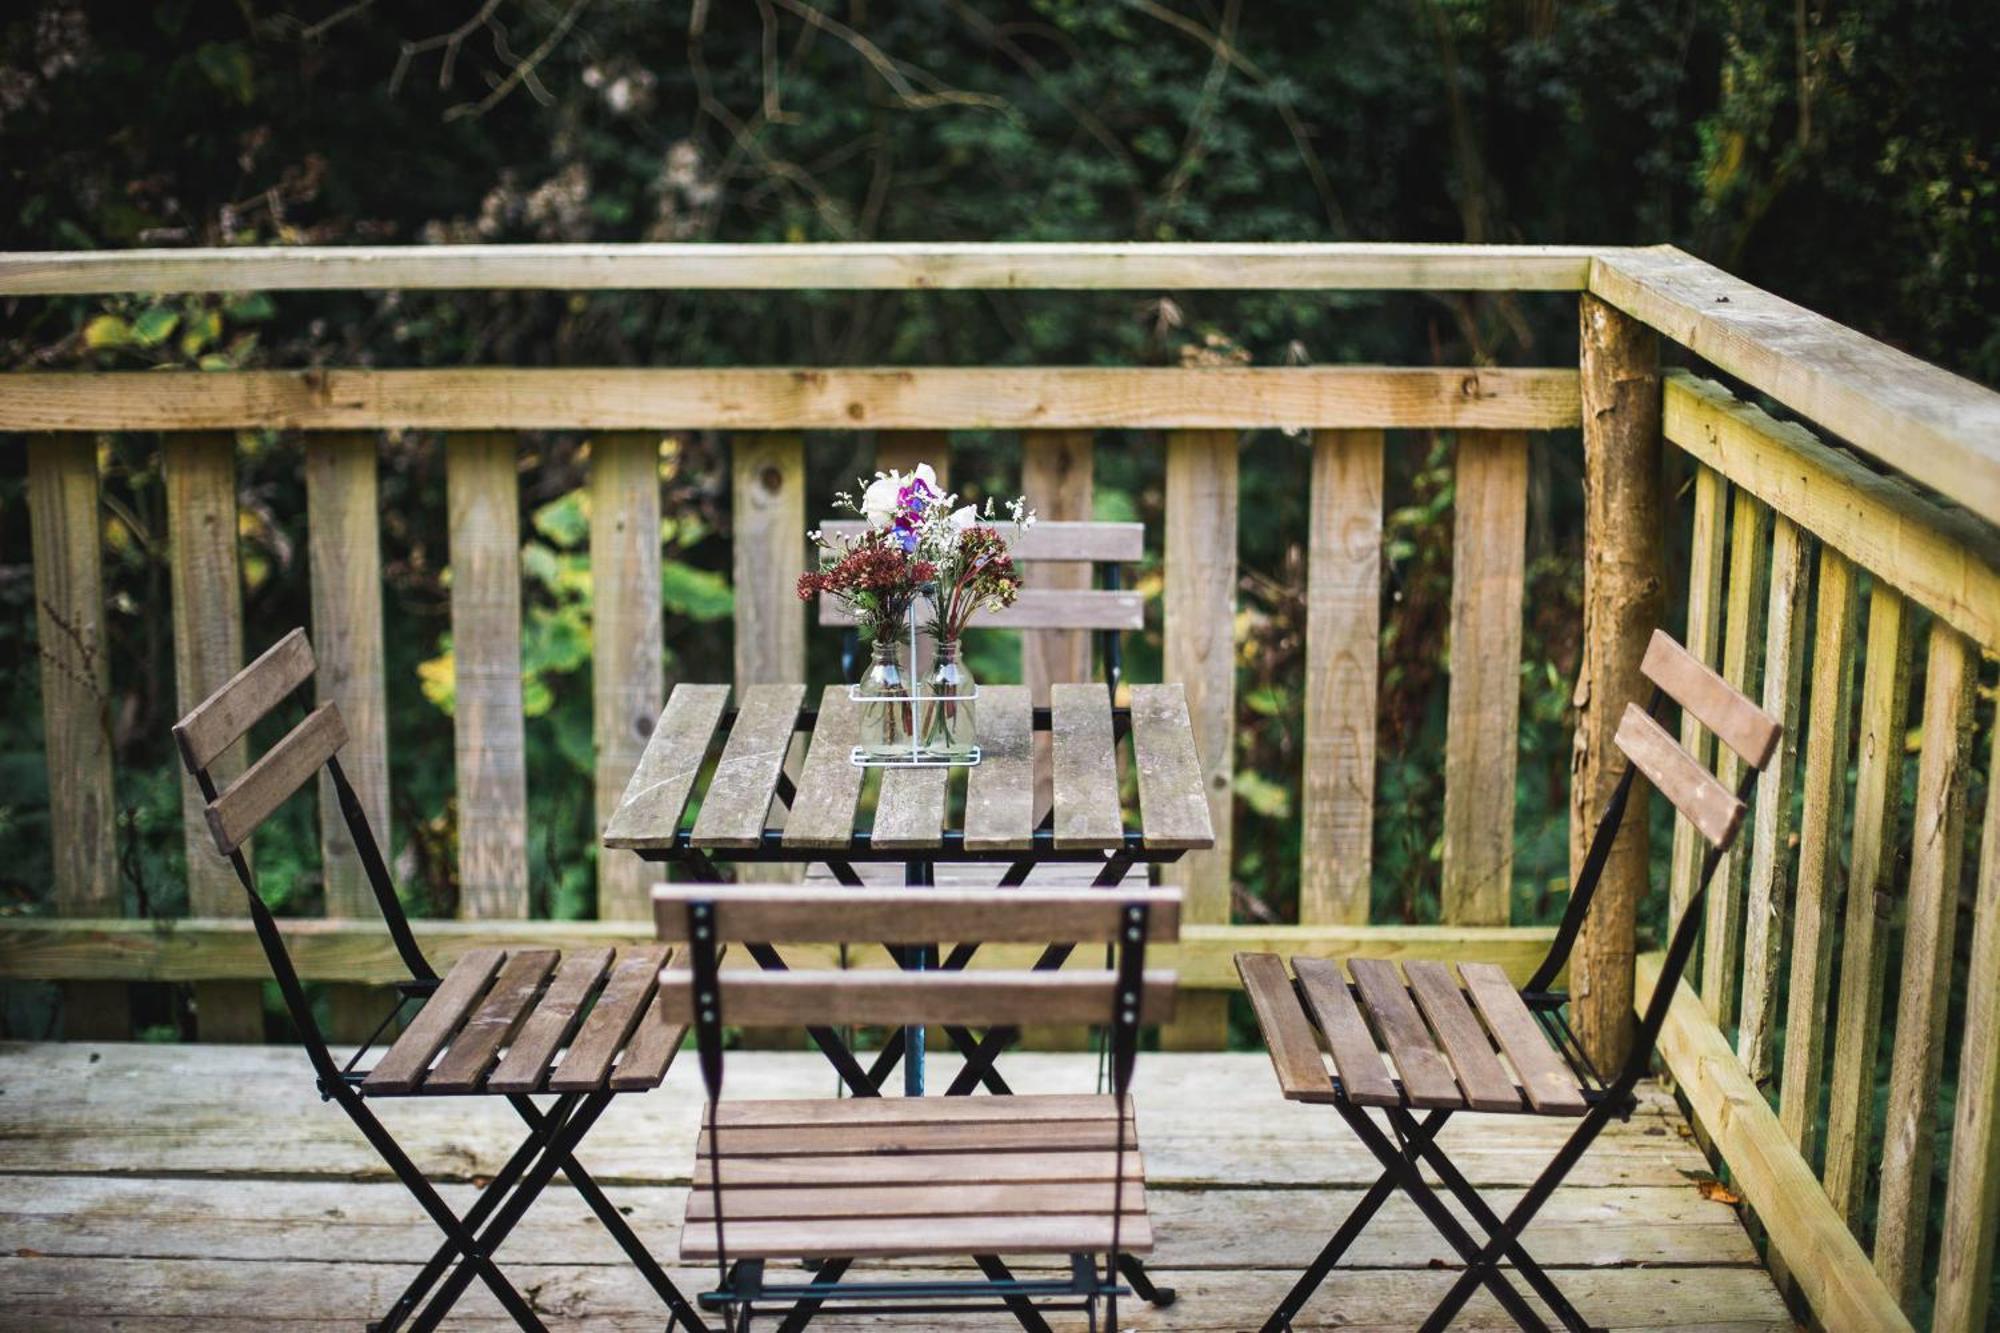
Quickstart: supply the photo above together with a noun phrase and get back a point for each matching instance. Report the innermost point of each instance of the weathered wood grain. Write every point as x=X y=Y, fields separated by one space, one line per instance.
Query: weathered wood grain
x=794 y=399
x=1343 y=651
x=1728 y=714
x=1830 y=1266
x=1773 y=822
x=627 y=991
x=627 y=646
x=404 y=1064
x=989 y=995
x=1288 y=1036
x=1426 y=1073
x=1944 y=560
x=1913 y=416
x=739 y=795
x=1200 y=652
x=554 y=1018
x=75 y=654
x=1039 y=608
x=1087 y=813
x=1487 y=1085
x=280 y=771
x=1707 y=804
x=1624 y=581
x=206 y=585
x=768 y=546
x=790 y=913
x=476 y=1045
x=649 y=813
x=1972 y=1195
x=1000 y=790
x=829 y=788
x=1742 y=644
x=1549 y=1083
x=909 y=816
x=226 y=716
x=1488 y=555
x=1937 y=849
x=1871 y=901
x=1348 y=1039
x=1052 y=541
x=1173 y=802
x=841 y=266
x=1058 y=475
x=1703 y=643
x=1816 y=897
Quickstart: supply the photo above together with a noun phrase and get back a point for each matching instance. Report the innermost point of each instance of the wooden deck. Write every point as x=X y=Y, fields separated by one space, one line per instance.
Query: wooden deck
x=207 y=1187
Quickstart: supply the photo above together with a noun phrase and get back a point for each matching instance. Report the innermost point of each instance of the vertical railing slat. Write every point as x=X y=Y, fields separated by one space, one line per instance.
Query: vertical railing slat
x=1483 y=710
x=1972 y=1191
x=1742 y=637
x=1200 y=652
x=1702 y=640
x=1058 y=477
x=206 y=586
x=1937 y=849
x=75 y=657
x=1771 y=835
x=482 y=482
x=1871 y=899
x=1343 y=660
x=1816 y=894
x=344 y=553
x=628 y=664
x=768 y=513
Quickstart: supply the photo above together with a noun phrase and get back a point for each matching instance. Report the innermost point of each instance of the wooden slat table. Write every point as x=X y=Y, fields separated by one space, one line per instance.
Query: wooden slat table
x=727 y=765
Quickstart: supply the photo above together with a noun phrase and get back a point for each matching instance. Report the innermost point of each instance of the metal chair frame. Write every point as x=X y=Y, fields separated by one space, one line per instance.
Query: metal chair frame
x=554 y=1133
x=742 y=1284
x=1414 y=1144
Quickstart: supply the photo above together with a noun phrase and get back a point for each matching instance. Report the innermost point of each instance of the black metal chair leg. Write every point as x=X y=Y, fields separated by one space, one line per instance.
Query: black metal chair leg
x=1351 y=1227
x=1523 y=1212
x=803 y=1310
x=1133 y=1268
x=1411 y=1182
x=1525 y=1264
x=615 y=1223
x=562 y=1143
x=1021 y=1307
x=476 y=1258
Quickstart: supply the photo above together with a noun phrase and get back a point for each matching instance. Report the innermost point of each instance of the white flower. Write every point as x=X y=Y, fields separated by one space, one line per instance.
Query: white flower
x=964 y=517
x=878 y=502
x=926 y=476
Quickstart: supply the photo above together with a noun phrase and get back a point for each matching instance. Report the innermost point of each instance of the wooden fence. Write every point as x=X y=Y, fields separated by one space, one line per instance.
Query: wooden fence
x=1814 y=579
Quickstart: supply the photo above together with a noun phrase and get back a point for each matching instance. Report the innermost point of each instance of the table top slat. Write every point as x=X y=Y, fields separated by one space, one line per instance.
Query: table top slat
x=910 y=814
x=1000 y=788
x=1086 y=769
x=822 y=815
x=1173 y=807
x=650 y=813
x=738 y=800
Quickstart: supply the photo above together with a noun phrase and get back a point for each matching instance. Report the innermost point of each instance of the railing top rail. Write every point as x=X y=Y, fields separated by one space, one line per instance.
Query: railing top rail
x=1240 y=266
x=1928 y=423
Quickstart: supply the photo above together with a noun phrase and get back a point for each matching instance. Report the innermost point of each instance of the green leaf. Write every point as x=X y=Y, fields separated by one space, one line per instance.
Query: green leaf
x=107 y=331
x=539 y=563
x=155 y=326
x=564 y=520
x=698 y=594
x=250 y=307
x=227 y=67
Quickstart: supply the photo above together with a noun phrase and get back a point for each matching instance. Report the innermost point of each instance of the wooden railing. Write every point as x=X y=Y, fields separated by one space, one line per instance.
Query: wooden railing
x=1791 y=540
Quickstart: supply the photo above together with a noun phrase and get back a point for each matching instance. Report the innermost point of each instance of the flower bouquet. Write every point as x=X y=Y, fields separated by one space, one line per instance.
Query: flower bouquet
x=920 y=543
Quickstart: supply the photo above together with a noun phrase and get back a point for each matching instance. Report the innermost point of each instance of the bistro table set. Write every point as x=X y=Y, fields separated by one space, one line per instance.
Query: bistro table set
x=1042 y=844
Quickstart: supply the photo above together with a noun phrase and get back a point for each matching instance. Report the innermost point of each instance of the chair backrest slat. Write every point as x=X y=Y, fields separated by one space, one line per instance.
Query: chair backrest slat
x=818 y=998
x=235 y=814
x=1712 y=808
x=793 y=914
x=231 y=711
x=1043 y=608
x=1101 y=543
x=1744 y=727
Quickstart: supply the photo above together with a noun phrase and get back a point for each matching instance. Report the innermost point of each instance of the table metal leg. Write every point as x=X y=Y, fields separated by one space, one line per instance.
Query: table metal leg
x=921 y=875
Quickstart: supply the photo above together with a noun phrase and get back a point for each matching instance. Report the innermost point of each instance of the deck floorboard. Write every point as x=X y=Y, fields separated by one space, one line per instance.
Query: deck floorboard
x=209 y=1187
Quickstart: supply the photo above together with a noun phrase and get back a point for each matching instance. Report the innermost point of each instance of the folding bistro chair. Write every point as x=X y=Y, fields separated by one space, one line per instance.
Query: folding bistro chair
x=494 y=1025
x=831 y=1181
x=1523 y=1057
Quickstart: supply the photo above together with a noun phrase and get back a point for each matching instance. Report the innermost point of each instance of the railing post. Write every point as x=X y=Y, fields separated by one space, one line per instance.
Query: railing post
x=1200 y=652
x=76 y=708
x=344 y=550
x=1623 y=586
x=206 y=584
x=628 y=661
x=768 y=550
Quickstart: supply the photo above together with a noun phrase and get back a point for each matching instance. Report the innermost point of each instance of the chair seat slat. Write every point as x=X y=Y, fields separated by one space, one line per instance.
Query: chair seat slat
x=402 y=1066
x=554 y=1018
x=874 y=1238
x=477 y=1045
x=1288 y=1034
x=944 y=1197
x=1551 y=1085
x=1480 y=1073
x=1355 y=1057
x=1426 y=1074
x=651 y=1051
x=619 y=1007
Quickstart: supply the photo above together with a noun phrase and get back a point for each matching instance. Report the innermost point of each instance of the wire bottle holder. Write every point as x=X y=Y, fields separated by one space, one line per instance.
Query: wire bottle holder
x=861 y=757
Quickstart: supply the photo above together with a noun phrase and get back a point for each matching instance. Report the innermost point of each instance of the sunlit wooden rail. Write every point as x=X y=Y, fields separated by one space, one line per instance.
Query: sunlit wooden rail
x=1825 y=552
